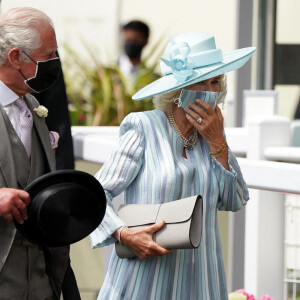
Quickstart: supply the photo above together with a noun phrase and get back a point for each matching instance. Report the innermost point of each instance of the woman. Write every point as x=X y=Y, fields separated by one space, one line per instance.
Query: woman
x=175 y=151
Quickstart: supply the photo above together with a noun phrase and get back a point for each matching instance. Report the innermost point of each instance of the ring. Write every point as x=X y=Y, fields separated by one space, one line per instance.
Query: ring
x=199 y=120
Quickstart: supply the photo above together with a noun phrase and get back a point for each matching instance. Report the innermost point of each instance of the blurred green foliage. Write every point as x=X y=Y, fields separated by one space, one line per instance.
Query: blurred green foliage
x=100 y=94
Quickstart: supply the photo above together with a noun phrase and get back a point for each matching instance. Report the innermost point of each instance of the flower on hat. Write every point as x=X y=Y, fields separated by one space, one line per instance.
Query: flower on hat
x=41 y=111
x=180 y=62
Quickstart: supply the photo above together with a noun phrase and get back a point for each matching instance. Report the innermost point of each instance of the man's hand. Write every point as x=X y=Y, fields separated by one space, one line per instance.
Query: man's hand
x=13 y=203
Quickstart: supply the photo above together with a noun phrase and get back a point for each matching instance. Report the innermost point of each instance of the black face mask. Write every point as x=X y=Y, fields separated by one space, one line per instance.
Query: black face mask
x=133 y=50
x=46 y=74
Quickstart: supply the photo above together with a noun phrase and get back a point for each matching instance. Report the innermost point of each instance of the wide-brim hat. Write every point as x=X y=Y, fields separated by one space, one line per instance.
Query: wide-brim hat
x=192 y=57
x=65 y=207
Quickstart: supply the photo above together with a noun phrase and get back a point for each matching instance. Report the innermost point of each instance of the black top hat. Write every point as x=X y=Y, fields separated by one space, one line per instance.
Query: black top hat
x=66 y=206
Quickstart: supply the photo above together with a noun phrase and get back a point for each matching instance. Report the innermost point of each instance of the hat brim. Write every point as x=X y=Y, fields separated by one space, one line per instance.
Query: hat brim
x=65 y=207
x=231 y=61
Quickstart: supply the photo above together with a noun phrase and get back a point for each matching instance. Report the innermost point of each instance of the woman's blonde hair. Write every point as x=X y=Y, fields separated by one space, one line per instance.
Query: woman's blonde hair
x=165 y=101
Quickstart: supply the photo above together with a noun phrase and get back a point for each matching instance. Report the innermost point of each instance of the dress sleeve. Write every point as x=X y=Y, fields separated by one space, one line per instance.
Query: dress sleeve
x=116 y=175
x=233 y=191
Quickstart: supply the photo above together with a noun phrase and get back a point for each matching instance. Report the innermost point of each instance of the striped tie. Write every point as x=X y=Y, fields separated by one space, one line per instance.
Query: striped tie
x=26 y=123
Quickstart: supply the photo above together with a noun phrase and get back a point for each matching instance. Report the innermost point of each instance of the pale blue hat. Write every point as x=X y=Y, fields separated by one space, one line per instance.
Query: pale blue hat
x=192 y=57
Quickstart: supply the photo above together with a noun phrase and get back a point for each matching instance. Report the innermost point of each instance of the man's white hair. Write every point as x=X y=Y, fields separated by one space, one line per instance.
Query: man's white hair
x=20 y=28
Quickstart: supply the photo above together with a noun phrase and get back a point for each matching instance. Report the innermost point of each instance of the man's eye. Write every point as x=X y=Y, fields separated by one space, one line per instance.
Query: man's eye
x=216 y=82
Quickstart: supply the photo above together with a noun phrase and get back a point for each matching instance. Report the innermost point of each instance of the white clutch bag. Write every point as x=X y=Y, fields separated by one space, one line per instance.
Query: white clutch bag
x=183 y=223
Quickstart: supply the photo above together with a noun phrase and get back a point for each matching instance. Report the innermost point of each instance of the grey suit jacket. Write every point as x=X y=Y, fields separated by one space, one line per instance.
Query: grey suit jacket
x=8 y=179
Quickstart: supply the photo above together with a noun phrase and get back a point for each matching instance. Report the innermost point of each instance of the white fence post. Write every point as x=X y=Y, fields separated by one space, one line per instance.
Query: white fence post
x=264 y=230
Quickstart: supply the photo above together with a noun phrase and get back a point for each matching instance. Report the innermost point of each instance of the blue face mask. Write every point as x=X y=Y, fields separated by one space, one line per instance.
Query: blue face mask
x=189 y=96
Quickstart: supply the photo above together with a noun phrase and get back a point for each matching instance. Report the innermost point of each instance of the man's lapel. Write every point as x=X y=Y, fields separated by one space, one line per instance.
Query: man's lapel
x=42 y=131
x=7 y=165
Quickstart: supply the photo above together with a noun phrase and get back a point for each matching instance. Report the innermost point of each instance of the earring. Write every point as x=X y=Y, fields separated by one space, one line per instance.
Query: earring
x=178 y=101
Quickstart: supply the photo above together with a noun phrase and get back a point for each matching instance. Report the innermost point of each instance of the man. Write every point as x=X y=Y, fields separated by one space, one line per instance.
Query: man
x=28 y=64
x=135 y=38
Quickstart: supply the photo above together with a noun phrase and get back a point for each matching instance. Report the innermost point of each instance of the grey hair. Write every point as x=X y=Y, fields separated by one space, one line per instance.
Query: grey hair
x=165 y=101
x=20 y=28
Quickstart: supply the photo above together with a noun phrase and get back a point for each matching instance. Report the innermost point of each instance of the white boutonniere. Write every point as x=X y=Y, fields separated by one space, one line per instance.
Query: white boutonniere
x=41 y=111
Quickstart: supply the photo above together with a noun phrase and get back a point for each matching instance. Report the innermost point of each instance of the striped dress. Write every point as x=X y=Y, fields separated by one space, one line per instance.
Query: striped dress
x=149 y=167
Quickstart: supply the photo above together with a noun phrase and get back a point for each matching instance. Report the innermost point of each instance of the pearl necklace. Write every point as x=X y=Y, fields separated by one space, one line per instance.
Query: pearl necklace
x=187 y=143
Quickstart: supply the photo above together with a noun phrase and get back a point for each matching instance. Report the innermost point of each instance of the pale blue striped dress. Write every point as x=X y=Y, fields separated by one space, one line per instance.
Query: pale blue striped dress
x=149 y=167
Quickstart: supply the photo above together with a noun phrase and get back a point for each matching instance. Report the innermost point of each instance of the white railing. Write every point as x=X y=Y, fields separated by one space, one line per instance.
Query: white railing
x=257 y=146
x=264 y=259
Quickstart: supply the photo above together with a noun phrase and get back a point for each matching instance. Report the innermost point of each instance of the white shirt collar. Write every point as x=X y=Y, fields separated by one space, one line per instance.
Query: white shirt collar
x=7 y=95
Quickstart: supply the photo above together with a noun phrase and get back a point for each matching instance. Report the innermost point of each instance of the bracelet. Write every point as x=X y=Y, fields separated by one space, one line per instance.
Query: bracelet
x=220 y=150
x=119 y=235
x=220 y=154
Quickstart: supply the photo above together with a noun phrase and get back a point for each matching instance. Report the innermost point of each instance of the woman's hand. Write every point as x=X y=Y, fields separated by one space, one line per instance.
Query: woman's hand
x=210 y=126
x=140 y=242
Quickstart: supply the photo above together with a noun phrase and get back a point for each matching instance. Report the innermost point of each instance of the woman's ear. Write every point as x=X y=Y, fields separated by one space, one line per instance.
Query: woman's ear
x=14 y=58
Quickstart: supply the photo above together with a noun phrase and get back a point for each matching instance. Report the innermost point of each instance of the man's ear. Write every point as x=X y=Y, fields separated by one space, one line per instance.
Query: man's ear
x=14 y=58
